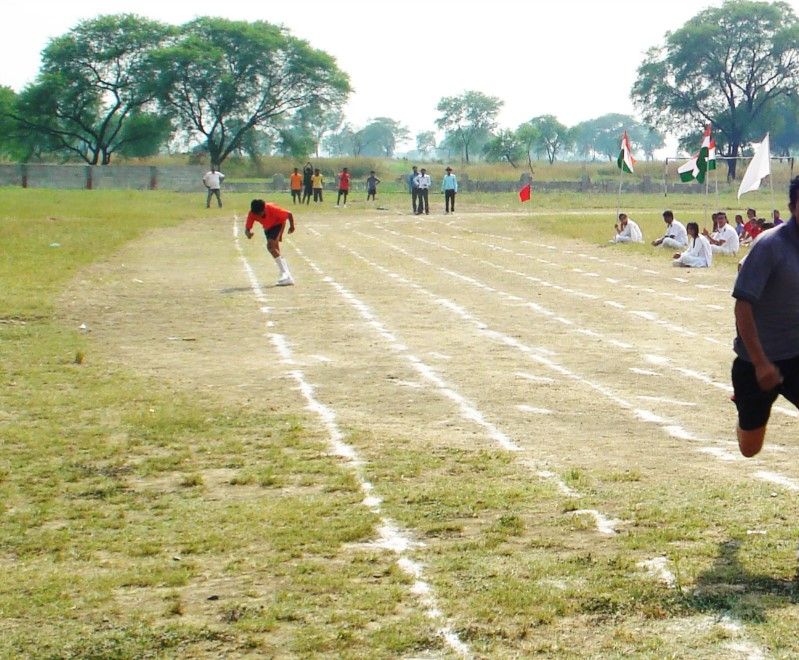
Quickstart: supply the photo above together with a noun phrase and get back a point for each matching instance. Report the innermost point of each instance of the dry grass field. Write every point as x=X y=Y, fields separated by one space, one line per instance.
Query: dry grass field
x=465 y=435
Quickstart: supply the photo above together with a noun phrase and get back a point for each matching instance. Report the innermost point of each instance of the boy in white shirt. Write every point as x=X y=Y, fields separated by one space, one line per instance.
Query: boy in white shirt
x=213 y=181
x=627 y=231
x=725 y=239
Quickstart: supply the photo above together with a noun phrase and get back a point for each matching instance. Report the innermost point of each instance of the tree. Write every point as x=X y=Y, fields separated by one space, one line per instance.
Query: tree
x=90 y=86
x=342 y=142
x=528 y=136
x=467 y=117
x=223 y=78
x=380 y=137
x=552 y=136
x=505 y=146
x=425 y=142
x=725 y=67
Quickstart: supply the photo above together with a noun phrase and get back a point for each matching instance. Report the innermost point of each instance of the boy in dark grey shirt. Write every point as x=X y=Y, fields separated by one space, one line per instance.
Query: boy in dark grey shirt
x=767 y=320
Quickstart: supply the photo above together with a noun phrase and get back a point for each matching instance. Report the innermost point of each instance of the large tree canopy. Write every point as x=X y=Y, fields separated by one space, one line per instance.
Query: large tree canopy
x=90 y=87
x=467 y=117
x=223 y=78
x=725 y=66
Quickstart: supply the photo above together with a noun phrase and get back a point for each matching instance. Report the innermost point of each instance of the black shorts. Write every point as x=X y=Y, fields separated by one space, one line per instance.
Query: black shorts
x=754 y=405
x=273 y=233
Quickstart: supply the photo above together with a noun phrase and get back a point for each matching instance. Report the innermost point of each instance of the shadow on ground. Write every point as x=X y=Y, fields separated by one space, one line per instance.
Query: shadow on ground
x=728 y=588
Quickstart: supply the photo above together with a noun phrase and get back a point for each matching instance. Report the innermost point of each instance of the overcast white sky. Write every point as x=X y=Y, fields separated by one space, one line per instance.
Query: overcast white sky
x=576 y=59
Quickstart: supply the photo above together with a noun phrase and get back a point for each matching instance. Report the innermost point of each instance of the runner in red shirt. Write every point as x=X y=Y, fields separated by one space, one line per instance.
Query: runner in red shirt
x=343 y=185
x=273 y=220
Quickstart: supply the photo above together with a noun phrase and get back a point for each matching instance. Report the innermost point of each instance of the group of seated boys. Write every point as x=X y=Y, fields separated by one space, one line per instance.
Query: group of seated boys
x=697 y=248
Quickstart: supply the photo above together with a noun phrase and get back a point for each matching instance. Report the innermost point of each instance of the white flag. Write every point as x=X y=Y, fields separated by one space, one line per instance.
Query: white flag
x=758 y=168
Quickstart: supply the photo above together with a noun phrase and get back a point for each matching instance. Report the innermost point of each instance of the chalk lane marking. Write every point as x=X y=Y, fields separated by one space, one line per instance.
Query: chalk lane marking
x=670 y=428
x=650 y=316
x=390 y=537
x=468 y=410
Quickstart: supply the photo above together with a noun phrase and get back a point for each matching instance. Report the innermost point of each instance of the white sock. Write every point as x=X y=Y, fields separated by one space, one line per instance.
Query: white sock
x=284 y=266
x=281 y=265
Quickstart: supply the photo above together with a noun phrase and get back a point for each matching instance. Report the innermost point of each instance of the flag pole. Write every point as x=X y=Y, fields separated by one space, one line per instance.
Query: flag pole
x=618 y=197
x=771 y=184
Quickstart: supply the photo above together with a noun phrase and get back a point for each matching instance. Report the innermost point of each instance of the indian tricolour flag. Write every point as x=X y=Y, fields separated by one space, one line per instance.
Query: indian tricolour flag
x=625 y=161
x=705 y=160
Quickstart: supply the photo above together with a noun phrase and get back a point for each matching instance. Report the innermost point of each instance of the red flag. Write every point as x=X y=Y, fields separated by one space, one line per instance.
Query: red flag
x=525 y=193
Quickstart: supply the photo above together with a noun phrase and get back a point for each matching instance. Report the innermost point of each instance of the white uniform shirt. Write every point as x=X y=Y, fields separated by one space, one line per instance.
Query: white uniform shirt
x=213 y=179
x=701 y=250
x=676 y=231
x=730 y=238
x=631 y=233
x=423 y=181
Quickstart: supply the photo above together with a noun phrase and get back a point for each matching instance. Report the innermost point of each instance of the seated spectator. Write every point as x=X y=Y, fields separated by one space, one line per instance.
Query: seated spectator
x=675 y=236
x=740 y=227
x=775 y=218
x=752 y=227
x=627 y=231
x=699 y=253
x=724 y=240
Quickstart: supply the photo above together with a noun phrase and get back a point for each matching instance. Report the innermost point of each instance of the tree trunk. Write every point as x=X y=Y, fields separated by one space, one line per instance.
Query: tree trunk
x=731 y=164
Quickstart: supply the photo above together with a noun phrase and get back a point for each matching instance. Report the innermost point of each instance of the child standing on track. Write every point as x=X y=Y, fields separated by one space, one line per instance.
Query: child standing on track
x=273 y=220
x=343 y=186
x=371 y=186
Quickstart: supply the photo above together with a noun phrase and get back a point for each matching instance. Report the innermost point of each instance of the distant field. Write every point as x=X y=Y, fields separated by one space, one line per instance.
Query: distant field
x=490 y=434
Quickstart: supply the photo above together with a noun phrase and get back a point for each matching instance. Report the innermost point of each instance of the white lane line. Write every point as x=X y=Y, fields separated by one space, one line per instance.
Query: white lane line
x=604 y=524
x=778 y=479
x=671 y=429
x=648 y=316
x=533 y=378
x=690 y=373
x=644 y=372
x=533 y=410
x=468 y=411
x=467 y=408
x=658 y=568
x=390 y=536
x=663 y=399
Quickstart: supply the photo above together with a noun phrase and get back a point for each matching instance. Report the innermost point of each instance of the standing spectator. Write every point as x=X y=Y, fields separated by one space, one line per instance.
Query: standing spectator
x=766 y=292
x=627 y=231
x=371 y=186
x=449 y=186
x=343 y=186
x=423 y=183
x=675 y=237
x=296 y=186
x=413 y=189
x=318 y=184
x=213 y=181
x=273 y=219
x=698 y=254
x=307 y=183
x=724 y=240
x=775 y=218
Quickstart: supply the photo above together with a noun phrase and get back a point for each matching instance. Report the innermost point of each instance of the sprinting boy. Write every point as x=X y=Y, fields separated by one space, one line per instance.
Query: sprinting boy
x=273 y=220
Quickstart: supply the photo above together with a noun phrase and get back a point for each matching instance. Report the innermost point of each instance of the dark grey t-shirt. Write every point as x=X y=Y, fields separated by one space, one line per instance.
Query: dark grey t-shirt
x=769 y=280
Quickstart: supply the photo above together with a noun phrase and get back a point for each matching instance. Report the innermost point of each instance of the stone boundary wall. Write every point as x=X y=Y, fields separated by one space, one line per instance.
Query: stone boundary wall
x=189 y=179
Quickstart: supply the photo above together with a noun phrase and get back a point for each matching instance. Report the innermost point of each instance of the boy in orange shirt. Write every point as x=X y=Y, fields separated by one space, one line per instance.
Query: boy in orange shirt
x=296 y=186
x=273 y=220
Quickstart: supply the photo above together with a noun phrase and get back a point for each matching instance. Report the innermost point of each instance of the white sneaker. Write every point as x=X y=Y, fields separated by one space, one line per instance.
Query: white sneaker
x=285 y=281
x=336 y=205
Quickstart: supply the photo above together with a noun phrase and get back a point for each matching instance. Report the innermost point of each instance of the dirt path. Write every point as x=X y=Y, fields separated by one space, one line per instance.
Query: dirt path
x=450 y=332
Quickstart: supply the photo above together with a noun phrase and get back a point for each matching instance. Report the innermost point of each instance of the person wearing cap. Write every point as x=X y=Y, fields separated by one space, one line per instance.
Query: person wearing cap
x=423 y=183
x=449 y=186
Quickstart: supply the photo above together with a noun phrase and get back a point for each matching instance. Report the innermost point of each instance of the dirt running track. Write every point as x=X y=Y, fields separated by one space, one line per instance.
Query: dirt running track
x=460 y=331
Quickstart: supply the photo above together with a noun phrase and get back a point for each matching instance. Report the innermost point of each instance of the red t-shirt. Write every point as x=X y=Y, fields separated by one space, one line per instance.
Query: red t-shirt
x=344 y=181
x=272 y=215
x=752 y=228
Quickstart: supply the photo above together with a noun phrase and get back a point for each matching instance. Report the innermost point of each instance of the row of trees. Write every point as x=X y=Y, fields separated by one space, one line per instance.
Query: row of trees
x=124 y=84
x=128 y=85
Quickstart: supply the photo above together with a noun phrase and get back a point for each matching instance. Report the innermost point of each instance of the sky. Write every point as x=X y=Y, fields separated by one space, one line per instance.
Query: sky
x=575 y=59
